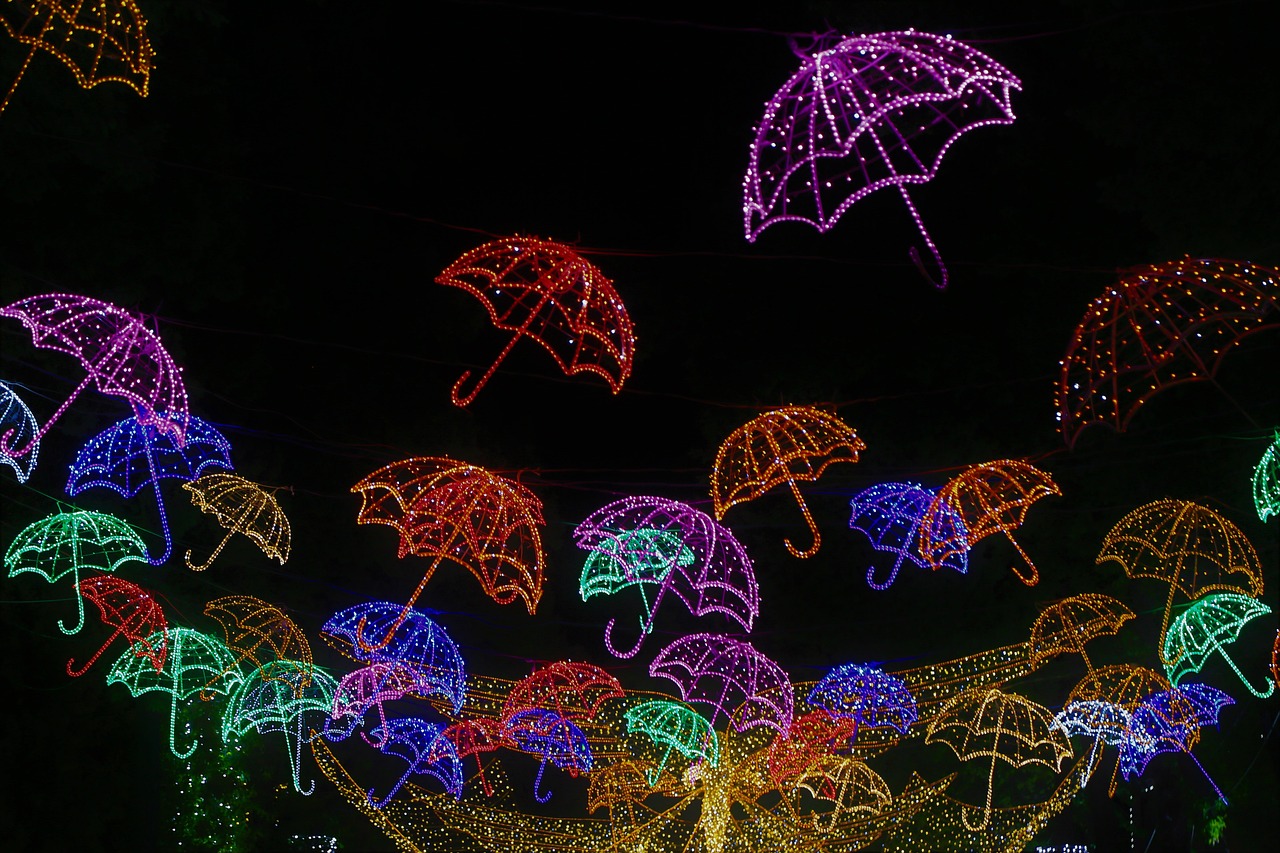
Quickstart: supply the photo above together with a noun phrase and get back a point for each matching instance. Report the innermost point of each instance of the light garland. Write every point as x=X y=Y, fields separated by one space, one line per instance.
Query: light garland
x=241 y=506
x=549 y=293
x=890 y=515
x=17 y=419
x=133 y=611
x=730 y=677
x=120 y=355
x=1159 y=325
x=792 y=444
x=863 y=113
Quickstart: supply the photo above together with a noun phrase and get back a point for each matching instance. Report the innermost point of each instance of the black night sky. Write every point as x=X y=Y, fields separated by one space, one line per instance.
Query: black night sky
x=302 y=170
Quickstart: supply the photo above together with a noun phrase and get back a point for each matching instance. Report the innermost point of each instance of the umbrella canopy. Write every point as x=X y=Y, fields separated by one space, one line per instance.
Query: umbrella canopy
x=573 y=689
x=241 y=506
x=1066 y=625
x=132 y=611
x=853 y=789
x=671 y=725
x=425 y=748
x=1170 y=721
x=1105 y=722
x=890 y=515
x=730 y=677
x=474 y=735
x=1266 y=481
x=1208 y=626
x=867 y=695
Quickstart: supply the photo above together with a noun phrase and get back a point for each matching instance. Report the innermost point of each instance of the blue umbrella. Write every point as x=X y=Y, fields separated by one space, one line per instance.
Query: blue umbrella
x=428 y=752
x=866 y=694
x=1170 y=721
x=557 y=739
x=891 y=515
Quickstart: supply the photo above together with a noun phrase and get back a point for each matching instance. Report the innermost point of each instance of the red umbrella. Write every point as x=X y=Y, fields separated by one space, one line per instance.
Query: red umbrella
x=133 y=611
x=573 y=689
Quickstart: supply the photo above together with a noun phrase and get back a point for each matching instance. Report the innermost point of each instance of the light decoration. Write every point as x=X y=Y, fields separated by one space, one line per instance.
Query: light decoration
x=863 y=113
x=1105 y=722
x=131 y=455
x=672 y=725
x=65 y=543
x=1170 y=721
x=120 y=356
x=259 y=632
x=890 y=515
x=1266 y=481
x=622 y=787
x=1207 y=626
x=474 y=735
x=427 y=751
x=370 y=686
x=132 y=611
x=731 y=677
x=415 y=640
x=1275 y=658
x=447 y=510
x=101 y=41
x=555 y=738
x=193 y=659
x=868 y=696
x=853 y=788
x=1188 y=546
x=286 y=696
x=218 y=807
x=991 y=497
x=813 y=737
x=547 y=292
x=653 y=541
x=241 y=506
x=17 y=418
x=1124 y=685
x=1159 y=325
x=574 y=690
x=989 y=723
x=1066 y=625
x=791 y=444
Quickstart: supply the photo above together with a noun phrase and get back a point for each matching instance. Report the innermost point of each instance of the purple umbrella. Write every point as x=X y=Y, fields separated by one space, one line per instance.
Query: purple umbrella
x=557 y=739
x=730 y=676
x=685 y=552
x=891 y=514
x=1170 y=721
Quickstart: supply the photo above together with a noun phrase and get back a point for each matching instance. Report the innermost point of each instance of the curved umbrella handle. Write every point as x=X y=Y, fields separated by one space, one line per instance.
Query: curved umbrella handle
x=1271 y=685
x=295 y=757
x=173 y=725
x=35 y=439
x=986 y=811
x=813 y=527
x=537 y=783
x=1031 y=579
x=79 y=611
x=613 y=650
x=941 y=281
x=164 y=518
x=82 y=670
x=893 y=574
x=216 y=551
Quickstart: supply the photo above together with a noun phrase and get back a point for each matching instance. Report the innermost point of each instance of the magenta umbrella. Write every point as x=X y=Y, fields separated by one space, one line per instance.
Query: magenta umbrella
x=120 y=355
x=731 y=677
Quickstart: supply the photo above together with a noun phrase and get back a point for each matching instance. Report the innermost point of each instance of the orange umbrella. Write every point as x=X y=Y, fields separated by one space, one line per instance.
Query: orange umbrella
x=1067 y=625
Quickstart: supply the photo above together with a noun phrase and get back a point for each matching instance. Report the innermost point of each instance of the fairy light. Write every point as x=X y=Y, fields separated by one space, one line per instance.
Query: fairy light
x=1266 y=481
x=992 y=497
x=99 y=41
x=1159 y=325
x=868 y=696
x=17 y=418
x=890 y=515
x=1066 y=625
x=642 y=540
x=547 y=292
x=671 y=725
x=65 y=543
x=849 y=785
x=215 y=796
x=555 y=738
x=1170 y=721
x=241 y=506
x=791 y=444
x=863 y=113
x=135 y=614
x=120 y=355
x=730 y=677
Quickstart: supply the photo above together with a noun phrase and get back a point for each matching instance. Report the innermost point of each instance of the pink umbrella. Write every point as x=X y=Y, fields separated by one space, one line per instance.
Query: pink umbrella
x=730 y=676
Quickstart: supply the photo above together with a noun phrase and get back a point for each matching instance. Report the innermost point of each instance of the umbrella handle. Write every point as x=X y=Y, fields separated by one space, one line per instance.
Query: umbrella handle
x=613 y=650
x=986 y=811
x=173 y=724
x=35 y=439
x=537 y=783
x=813 y=527
x=82 y=670
x=164 y=518
x=1031 y=579
x=465 y=400
x=216 y=551
x=941 y=281
x=893 y=574
x=295 y=757
x=1271 y=687
x=79 y=611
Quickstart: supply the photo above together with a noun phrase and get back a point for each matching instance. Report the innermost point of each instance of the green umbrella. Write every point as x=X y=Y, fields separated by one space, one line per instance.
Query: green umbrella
x=674 y=726
x=1266 y=481
x=66 y=542
x=293 y=697
x=1205 y=627
x=195 y=662
x=634 y=558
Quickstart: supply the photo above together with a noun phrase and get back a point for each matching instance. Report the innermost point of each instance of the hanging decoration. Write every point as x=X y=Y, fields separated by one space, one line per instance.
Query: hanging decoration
x=1170 y=721
x=241 y=506
x=1190 y=547
x=853 y=789
x=474 y=735
x=652 y=541
x=812 y=738
x=863 y=113
x=1105 y=722
x=867 y=695
x=17 y=420
x=792 y=444
x=992 y=497
x=551 y=736
x=1066 y=625
x=890 y=515
x=549 y=293
x=370 y=686
x=259 y=632
x=132 y=455
x=120 y=355
x=1159 y=325
x=424 y=747
x=1207 y=626
x=731 y=678
x=574 y=690
x=1266 y=481
x=1124 y=686
x=132 y=611
x=672 y=725
x=65 y=543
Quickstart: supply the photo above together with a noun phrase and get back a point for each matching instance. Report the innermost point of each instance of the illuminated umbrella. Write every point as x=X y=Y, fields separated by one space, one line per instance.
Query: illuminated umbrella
x=731 y=677
x=416 y=641
x=1158 y=326
x=573 y=689
x=120 y=355
x=1066 y=625
x=866 y=112
x=849 y=784
x=131 y=455
x=193 y=659
x=671 y=725
x=1124 y=685
x=1170 y=721
x=992 y=497
x=258 y=632
x=133 y=611
x=890 y=515
x=792 y=444
x=1190 y=547
x=653 y=541
x=64 y=543
x=474 y=735
x=1105 y=722
x=555 y=738
x=370 y=686
x=291 y=697
x=101 y=41
x=812 y=737
x=867 y=695
x=549 y=293
x=1207 y=626
x=1266 y=481
x=624 y=785
x=988 y=723
x=241 y=506
x=426 y=749
x=16 y=418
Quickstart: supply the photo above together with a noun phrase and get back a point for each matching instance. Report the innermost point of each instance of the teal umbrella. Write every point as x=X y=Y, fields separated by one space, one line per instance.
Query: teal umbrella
x=674 y=726
x=1205 y=627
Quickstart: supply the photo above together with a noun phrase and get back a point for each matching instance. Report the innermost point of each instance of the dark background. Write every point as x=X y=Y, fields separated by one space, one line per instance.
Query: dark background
x=301 y=171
